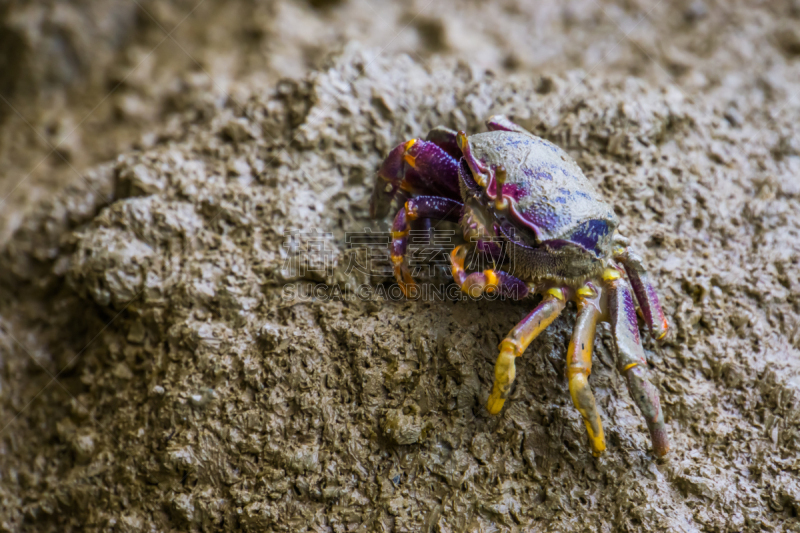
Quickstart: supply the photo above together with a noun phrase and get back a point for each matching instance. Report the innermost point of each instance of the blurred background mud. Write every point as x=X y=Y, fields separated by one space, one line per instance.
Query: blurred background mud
x=153 y=377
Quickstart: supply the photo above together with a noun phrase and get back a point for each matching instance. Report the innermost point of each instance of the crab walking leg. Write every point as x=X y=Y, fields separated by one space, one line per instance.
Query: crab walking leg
x=476 y=283
x=645 y=293
x=630 y=358
x=579 y=366
x=431 y=207
x=502 y=123
x=517 y=341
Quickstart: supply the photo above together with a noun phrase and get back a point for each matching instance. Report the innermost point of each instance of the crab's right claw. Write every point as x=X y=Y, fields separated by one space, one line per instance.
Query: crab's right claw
x=388 y=182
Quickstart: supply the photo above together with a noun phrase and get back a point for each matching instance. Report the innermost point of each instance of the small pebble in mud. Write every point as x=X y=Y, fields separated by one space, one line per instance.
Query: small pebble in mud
x=202 y=397
x=401 y=428
x=271 y=335
x=136 y=332
x=183 y=507
x=84 y=444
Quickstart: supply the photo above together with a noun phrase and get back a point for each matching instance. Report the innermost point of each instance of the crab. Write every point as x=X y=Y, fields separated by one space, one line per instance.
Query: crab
x=524 y=204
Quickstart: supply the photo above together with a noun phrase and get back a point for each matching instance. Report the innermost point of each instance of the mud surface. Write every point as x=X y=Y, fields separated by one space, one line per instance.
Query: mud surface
x=155 y=377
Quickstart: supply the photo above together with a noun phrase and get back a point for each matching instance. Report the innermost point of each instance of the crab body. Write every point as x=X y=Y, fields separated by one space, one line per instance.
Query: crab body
x=524 y=203
x=544 y=201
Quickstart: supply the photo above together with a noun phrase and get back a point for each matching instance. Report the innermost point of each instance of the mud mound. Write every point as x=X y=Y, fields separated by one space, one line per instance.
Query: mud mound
x=211 y=400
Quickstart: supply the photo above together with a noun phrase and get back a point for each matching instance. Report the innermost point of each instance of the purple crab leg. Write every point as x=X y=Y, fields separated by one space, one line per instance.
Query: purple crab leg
x=579 y=365
x=517 y=341
x=502 y=123
x=489 y=281
x=630 y=358
x=645 y=293
x=431 y=207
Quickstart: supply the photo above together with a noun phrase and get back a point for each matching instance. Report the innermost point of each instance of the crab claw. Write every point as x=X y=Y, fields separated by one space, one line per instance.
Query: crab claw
x=415 y=167
x=390 y=178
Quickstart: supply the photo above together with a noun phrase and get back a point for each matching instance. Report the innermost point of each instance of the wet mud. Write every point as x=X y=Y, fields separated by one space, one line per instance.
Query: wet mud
x=167 y=363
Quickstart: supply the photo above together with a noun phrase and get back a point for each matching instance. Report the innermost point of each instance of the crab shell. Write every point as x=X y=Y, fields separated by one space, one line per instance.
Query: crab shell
x=559 y=226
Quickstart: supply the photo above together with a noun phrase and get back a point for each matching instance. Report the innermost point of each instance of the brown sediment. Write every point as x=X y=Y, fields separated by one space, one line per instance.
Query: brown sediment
x=191 y=394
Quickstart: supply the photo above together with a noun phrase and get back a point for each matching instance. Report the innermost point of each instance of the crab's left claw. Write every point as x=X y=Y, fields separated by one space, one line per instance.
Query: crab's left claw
x=414 y=167
x=488 y=281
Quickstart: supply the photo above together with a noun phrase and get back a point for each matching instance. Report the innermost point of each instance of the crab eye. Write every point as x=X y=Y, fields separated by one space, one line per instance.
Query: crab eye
x=461 y=138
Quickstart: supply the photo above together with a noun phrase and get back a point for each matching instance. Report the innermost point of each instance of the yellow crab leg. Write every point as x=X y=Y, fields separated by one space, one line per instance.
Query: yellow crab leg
x=579 y=366
x=517 y=341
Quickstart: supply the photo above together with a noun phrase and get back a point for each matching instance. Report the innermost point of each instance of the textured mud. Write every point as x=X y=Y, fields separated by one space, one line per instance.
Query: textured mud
x=155 y=377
